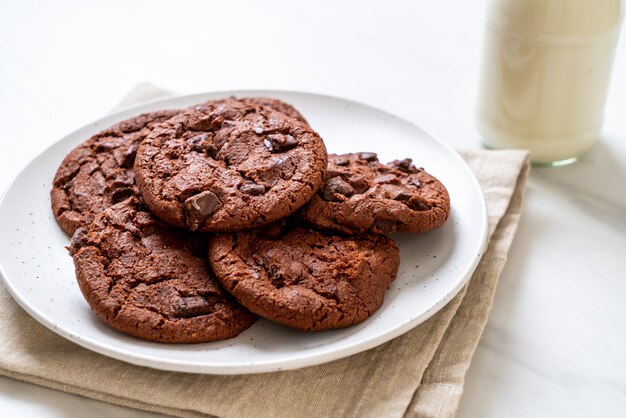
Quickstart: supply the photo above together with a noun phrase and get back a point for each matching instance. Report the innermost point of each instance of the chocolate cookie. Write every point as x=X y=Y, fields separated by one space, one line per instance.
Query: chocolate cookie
x=229 y=165
x=304 y=278
x=99 y=172
x=360 y=194
x=147 y=280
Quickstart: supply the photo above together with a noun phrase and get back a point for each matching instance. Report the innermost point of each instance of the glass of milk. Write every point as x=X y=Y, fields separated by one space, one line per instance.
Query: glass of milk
x=545 y=75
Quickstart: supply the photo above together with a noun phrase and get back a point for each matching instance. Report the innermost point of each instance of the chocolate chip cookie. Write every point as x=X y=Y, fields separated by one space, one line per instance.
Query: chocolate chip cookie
x=147 y=280
x=99 y=172
x=360 y=194
x=304 y=278
x=229 y=165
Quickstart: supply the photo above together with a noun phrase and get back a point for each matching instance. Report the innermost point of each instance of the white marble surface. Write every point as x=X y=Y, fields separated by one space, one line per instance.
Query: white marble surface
x=555 y=344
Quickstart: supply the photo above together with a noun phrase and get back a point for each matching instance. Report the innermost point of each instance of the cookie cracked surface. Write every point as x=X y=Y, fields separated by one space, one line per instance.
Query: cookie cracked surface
x=360 y=194
x=304 y=278
x=99 y=172
x=147 y=280
x=277 y=105
x=229 y=165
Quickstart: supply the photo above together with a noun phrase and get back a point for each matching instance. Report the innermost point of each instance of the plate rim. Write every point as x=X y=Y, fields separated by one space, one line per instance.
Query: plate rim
x=239 y=368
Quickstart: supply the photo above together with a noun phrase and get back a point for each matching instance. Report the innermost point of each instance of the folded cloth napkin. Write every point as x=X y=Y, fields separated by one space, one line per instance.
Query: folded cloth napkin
x=418 y=374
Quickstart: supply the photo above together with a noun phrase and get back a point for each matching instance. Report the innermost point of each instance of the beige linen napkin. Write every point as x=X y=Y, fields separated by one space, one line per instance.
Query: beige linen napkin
x=417 y=374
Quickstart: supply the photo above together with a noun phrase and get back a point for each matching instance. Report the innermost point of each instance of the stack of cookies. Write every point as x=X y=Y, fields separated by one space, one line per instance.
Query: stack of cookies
x=188 y=224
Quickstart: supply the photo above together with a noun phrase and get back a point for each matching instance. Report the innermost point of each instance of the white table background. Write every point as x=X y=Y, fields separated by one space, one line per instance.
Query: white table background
x=555 y=344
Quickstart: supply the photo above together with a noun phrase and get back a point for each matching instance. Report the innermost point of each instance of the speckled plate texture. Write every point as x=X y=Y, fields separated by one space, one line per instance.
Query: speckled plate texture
x=39 y=273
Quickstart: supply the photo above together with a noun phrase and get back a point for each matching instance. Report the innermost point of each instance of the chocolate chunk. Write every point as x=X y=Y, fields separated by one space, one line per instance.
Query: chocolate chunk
x=103 y=146
x=415 y=182
x=121 y=194
x=146 y=223
x=199 y=207
x=215 y=123
x=79 y=240
x=402 y=196
x=187 y=307
x=280 y=142
x=203 y=143
x=128 y=158
x=337 y=185
x=229 y=123
x=383 y=225
x=419 y=206
x=251 y=188
x=276 y=277
x=360 y=183
x=368 y=156
x=198 y=143
x=404 y=165
x=212 y=150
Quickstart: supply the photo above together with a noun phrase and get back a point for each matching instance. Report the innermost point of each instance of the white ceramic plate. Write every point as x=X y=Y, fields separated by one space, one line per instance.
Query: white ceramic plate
x=39 y=273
